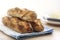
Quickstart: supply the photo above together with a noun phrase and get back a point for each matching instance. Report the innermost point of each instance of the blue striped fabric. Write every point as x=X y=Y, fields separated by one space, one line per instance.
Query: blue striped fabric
x=20 y=36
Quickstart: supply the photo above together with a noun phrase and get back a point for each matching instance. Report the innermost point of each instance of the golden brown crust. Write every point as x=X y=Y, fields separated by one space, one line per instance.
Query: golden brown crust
x=24 y=14
x=25 y=27
x=37 y=25
x=6 y=21
x=30 y=16
x=16 y=12
x=22 y=21
x=17 y=25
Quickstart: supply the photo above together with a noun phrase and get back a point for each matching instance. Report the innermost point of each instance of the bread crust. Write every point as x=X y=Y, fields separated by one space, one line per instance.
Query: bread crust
x=22 y=21
x=37 y=25
x=24 y=14
x=17 y=25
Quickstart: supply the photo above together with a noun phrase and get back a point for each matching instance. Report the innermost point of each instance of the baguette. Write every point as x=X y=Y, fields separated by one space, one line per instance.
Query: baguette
x=23 y=14
x=17 y=25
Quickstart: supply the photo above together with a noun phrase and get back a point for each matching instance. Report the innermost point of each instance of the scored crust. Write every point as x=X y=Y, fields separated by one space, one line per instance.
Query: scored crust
x=24 y=14
x=30 y=16
x=37 y=25
x=16 y=12
x=17 y=25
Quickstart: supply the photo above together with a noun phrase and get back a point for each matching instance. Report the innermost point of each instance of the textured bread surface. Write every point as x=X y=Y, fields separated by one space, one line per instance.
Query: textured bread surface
x=17 y=25
x=24 y=14
x=37 y=25
x=22 y=21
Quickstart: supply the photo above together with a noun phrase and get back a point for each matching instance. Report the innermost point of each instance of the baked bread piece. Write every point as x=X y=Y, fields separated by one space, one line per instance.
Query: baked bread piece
x=6 y=21
x=24 y=14
x=37 y=25
x=17 y=25
x=16 y=12
x=30 y=16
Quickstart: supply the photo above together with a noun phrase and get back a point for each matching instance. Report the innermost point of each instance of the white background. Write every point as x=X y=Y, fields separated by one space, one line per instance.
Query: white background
x=41 y=7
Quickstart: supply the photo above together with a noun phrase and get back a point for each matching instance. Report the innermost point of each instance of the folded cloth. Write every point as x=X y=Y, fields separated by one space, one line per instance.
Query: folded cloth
x=19 y=36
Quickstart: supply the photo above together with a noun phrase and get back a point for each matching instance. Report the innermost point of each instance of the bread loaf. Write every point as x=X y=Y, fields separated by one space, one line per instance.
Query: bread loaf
x=22 y=21
x=24 y=14
x=17 y=25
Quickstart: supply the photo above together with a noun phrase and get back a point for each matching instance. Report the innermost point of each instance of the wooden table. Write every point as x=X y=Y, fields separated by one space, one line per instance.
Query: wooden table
x=54 y=36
